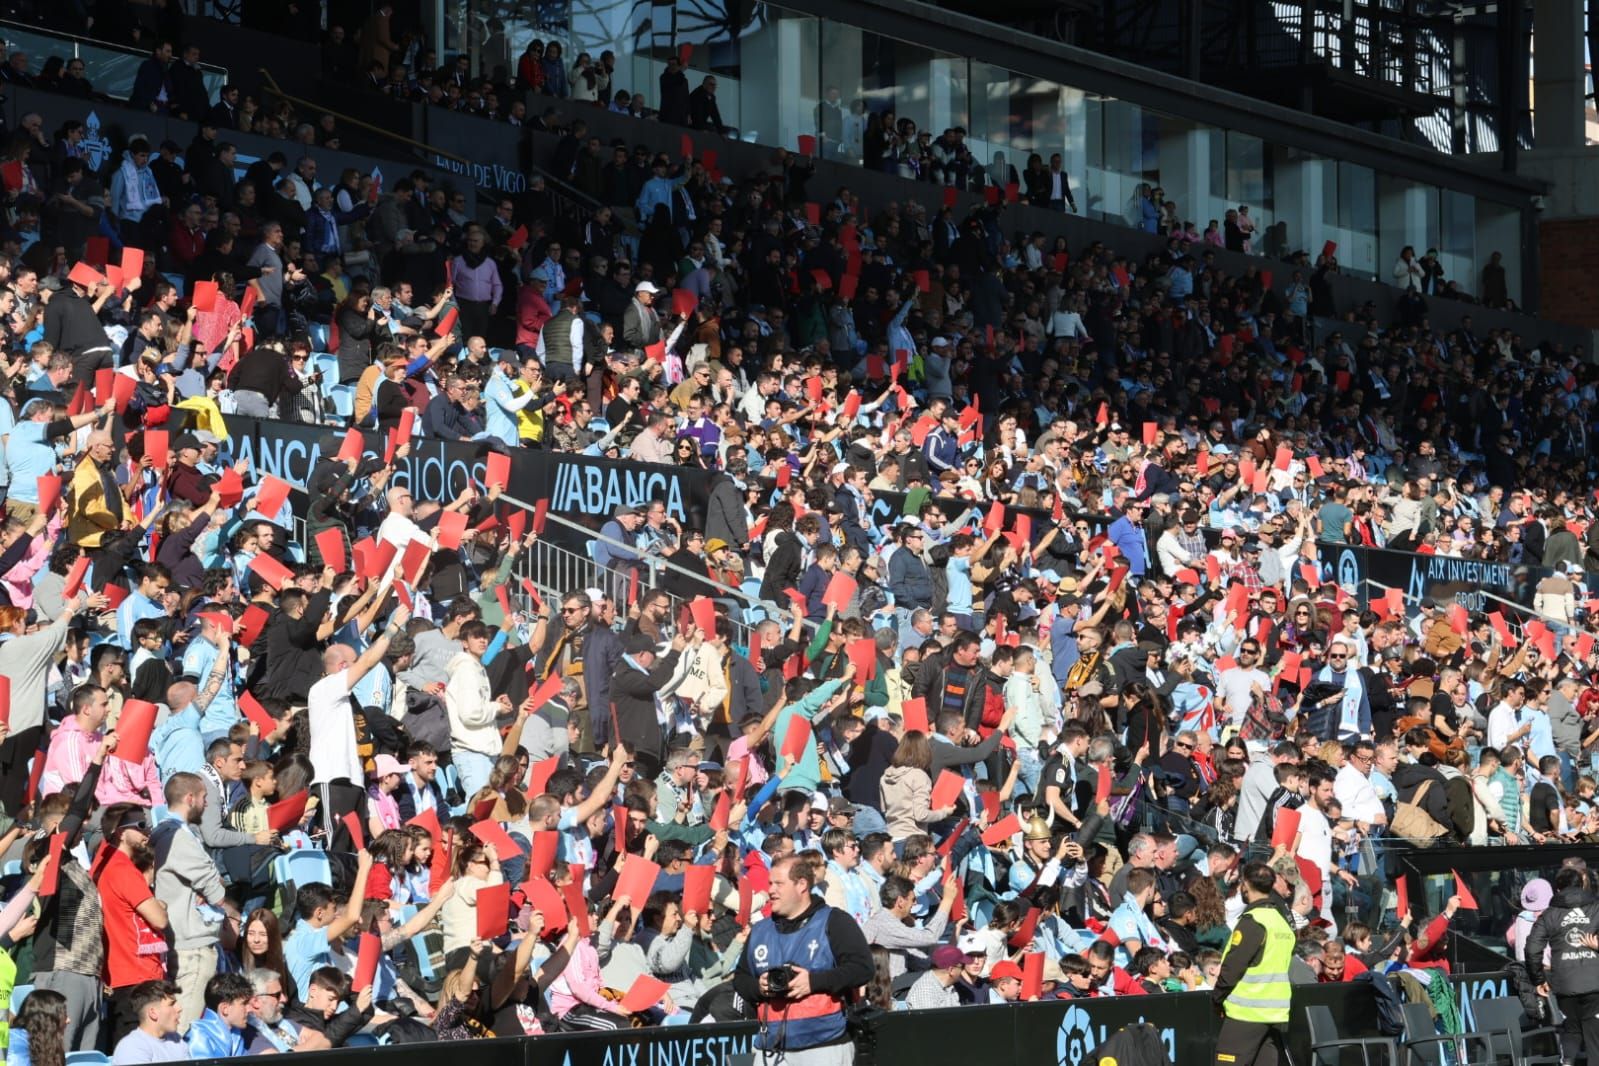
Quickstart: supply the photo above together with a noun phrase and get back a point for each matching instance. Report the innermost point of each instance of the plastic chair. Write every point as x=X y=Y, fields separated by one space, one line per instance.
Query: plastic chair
x=342 y=398
x=318 y=334
x=328 y=364
x=1324 y=1037
x=1499 y=1019
x=1424 y=1044
x=302 y=867
x=12 y=868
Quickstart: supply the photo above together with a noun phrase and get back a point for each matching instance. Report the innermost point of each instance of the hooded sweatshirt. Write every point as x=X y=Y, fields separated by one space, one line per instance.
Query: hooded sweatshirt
x=1574 y=969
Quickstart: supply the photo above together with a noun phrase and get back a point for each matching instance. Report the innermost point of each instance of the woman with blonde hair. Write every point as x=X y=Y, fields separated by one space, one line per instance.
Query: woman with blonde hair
x=907 y=788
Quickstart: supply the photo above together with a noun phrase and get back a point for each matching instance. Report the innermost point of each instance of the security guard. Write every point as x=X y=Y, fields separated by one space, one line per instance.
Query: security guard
x=1252 y=990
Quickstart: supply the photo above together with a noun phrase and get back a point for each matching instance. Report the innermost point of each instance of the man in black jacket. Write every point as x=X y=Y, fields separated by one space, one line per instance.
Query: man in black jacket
x=320 y=1009
x=956 y=677
x=702 y=109
x=639 y=675
x=1566 y=929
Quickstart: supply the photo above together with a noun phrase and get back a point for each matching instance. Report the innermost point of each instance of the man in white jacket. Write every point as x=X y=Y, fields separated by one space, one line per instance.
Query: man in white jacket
x=473 y=710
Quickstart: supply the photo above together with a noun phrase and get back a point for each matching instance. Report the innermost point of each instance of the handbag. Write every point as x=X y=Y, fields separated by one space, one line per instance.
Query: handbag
x=1412 y=821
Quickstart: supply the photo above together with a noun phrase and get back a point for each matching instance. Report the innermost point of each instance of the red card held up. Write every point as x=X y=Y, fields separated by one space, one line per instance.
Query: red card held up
x=1032 y=975
x=330 y=544
x=133 y=730
x=204 y=297
x=722 y=815
x=451 y=525
x=269 y=570
x=353 y=447
x=492 y=833
x=703 y=612
x=1402 y=897
x=52 y=874
x=697 y=883
x=546 y=899
x=352 y=823
x=1467 y=900
x=366 y=962
x=251 y=708
x=1023 y=935
x=497 y=472
x=1002 y=830
x=1102 y=784
x=797 y=739
x=1285 y=827
x=914 y=713
x=546 y=843
x=576 y=905
x=493 y=911
x=5 y=700
x=946 y=790
x=251 y=622
x=840 y=590
x=288 y=812
x=50 y=491
x=636 y=881
x=270 y=497
x=646 y=992
x=863 y=656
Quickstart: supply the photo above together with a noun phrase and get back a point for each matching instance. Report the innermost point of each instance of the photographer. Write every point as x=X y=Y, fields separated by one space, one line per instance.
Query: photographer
x=799 y=968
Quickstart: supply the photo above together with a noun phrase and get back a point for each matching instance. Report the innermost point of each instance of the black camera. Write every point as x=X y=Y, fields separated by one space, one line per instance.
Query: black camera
x=778 y=978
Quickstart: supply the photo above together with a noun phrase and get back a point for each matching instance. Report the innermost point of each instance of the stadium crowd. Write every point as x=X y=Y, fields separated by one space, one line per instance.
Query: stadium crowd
x=1046 y=733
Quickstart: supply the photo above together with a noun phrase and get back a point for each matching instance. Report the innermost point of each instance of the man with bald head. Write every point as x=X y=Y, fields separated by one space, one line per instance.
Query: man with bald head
x=97 y=505
x=336 y=771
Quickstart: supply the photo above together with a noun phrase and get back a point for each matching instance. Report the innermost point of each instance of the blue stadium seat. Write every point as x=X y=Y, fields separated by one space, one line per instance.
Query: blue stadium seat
x=328 y=364
x=318 y=334
x=87 y=1058
x=342 y=397
x=18 y=994
x=302 y=867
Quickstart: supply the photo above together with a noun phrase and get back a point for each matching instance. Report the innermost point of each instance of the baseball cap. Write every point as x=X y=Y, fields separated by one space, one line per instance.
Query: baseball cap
x=646 y=286
x=946 y=955
x=840 y=805
x=715 y=544
x=1004 y=971
x=384 y=764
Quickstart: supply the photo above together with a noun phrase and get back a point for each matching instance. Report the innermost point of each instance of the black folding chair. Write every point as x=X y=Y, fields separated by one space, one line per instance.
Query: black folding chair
x=1500 y=1020
x=1327 y=1048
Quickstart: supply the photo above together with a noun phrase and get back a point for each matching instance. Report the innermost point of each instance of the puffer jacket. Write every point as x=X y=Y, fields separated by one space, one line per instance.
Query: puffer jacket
x=1573 y=969
x=903 y=797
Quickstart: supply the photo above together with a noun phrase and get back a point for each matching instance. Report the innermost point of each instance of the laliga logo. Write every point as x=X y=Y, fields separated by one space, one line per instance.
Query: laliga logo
x=1075 y=1038
x=760 y=954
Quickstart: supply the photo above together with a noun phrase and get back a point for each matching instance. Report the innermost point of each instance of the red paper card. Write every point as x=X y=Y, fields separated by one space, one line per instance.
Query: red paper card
x=636 y=881
x=352 y=823
x=807 y=144
x=746 y=899
x=703 y=613
x=646 y=992
x=1402 y=897
x=415 y=558
x=946 y=790
x=1151 y=432
x=251 y=622
x=497 y=471
x=289 y=812
x=914 y=713
x=271 y=571
x=546 y=899
x=353 y=447
x=1102 y=784
x=697 y=883
x=541 y=510
x=840 y=590
x=50 y=491
x=5 y=700
x=577 y=906
x=133 y=730
x=493 y=911
x=492 y=833
x=429 y=820
x=722 y=815
x=863 y=656
x=1467 y=900
x=122 y=389
x=451 y=525
x=272 y=494
x=330 y=543
x=1002 y=830
x=619 y=822
x=446 y=323
x=547 y=691
x=797 y=739
x=1313 y=464
x=1283 y=459
x=204 y=297
x=1023 y=935
x=546 y=844
x=366 y=962
x=52 y=874
x=924 y=280
x=251 y=708
x=994 y=521
x=1285 y=827
x=1032 y=975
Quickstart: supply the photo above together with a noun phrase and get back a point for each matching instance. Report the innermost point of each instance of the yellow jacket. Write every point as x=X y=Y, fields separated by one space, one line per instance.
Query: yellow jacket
x=91 y=517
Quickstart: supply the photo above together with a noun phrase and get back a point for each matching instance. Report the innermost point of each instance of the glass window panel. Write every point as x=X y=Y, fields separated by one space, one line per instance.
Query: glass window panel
x=1458 y=238
x=1408 y=212
x=1357 y=219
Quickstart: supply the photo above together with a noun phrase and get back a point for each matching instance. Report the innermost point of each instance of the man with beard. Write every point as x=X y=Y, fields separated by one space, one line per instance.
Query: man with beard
x=188 y=883
x=591 y=653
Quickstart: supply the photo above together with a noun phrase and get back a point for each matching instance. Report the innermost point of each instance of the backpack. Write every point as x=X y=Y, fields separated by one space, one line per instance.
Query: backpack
x=1390 y=1006
x=1134 y=1045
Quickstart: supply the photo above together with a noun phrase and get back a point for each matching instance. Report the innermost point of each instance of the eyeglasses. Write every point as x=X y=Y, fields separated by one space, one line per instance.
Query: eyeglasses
x=1336 y=658
x=572 y=610
x=1183 y=747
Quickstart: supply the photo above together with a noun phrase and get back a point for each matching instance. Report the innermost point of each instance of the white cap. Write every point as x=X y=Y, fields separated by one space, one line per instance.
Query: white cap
x=841 y=468
x=646 y=286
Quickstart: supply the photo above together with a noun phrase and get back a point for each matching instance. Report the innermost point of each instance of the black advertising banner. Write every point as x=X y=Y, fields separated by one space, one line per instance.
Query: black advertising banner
x=1473 y=583
x=582 y=488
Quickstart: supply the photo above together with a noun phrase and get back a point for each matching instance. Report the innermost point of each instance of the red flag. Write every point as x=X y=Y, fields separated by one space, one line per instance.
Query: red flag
x=50 y=491
x=1032 y=975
